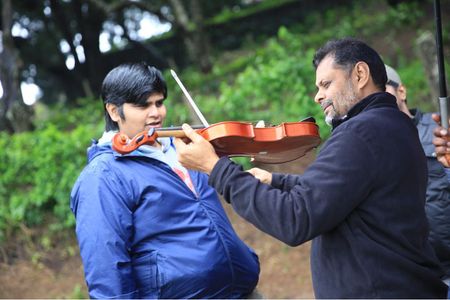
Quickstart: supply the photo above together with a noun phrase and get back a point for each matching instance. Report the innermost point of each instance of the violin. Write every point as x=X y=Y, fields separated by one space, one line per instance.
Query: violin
x=277 y=144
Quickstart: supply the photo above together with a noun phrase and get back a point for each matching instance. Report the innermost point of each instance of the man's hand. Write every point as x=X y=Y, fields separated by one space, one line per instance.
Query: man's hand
x=197 y=155
x=262 y=175
x=440 y=142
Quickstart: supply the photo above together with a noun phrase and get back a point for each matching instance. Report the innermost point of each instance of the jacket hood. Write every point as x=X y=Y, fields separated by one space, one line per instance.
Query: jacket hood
x=95 y=150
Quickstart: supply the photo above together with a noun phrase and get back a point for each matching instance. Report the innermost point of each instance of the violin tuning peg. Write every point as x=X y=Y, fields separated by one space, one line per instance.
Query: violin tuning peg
x=123 y=139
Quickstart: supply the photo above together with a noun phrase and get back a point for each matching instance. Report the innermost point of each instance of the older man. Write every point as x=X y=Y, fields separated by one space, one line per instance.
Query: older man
x=361 y=201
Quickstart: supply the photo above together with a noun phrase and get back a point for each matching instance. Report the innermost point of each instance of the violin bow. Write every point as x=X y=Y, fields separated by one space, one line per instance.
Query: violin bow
x=190 y=100
x=443 y=99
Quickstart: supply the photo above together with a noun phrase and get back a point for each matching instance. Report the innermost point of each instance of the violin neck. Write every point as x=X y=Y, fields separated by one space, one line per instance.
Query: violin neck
x=175 y=131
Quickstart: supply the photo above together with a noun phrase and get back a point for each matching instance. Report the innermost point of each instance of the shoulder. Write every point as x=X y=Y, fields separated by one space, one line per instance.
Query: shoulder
x=372 y=129
x=425 y=128
x=99 y=164
x=379 y=120
x=105 y=169
x=371 y=122
x=425 y=123
x=426 y=119
x=101 y=181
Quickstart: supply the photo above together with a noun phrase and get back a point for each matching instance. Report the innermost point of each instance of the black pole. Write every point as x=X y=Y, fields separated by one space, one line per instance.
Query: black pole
x=443 y=99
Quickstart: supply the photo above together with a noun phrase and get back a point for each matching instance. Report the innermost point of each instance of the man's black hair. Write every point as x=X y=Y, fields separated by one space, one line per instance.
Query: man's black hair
x=130 y=83
x=349 y=51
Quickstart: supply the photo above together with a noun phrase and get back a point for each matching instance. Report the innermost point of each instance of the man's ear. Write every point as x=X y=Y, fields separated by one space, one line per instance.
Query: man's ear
x=113 y=112
x=401 y=92
x=362 y=74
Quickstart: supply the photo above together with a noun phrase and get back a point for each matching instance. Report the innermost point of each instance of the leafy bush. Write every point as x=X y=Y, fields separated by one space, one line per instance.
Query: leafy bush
x=38 y=170
x=273 y=82
x=63 y=117
x=277 y=87
x=414 y=78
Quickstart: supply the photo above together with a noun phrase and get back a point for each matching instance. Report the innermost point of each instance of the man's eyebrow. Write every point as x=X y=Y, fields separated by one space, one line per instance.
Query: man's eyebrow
x=322 y=82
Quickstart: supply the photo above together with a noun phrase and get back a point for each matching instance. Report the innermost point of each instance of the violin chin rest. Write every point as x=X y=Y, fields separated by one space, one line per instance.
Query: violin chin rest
x=308 y=119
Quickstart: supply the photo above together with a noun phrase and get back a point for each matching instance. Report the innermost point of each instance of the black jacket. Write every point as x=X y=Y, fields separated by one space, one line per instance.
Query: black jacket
x=362 y=203
x=437 y=204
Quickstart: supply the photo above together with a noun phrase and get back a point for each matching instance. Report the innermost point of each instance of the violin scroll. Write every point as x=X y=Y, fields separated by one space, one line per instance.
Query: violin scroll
x=122 y=144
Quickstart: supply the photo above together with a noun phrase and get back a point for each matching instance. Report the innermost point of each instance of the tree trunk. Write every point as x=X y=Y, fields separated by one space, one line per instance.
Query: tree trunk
x=427 y=51
x=8 y=68
x=193 y=32
x=201 y=38
x=15 y=116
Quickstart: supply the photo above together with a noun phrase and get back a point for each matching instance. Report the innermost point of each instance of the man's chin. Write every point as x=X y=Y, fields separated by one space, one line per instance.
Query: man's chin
x=329 y=120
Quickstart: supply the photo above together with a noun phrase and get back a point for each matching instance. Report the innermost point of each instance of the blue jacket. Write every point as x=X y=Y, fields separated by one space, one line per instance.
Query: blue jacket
x=437 y=204
x=144 y=234
x=362 y=203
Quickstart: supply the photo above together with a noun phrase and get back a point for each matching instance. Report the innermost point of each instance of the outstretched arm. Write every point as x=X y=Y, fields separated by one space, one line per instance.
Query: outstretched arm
x=305 y=210
x=200 y=155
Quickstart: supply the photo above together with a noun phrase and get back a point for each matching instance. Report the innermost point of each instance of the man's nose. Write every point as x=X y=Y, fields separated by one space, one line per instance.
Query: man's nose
x=319 y=97
x=153 y=111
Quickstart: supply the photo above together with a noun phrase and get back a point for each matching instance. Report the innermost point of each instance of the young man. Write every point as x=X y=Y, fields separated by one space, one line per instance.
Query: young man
x=147 y=227
x=361 y=201
x=437 y=205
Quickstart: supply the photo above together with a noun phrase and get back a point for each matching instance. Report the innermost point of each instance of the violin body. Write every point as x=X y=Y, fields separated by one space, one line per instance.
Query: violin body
x=277 y=144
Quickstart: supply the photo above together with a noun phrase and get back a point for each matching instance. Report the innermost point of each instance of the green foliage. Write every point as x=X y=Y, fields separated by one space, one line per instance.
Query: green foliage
x=86 y=111
x=273 y=82
x=404 y=14
x=414 y=78
x=228 y=14
x=276 y=86
x=38 y=170
x=78 y=293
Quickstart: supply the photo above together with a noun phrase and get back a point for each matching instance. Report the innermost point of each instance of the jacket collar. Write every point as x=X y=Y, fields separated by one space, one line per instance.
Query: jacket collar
x=371 y=101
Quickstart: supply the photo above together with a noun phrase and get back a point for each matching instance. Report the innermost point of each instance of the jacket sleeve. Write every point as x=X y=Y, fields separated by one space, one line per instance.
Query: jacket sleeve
x=103 y=216
x=320 y=199
x=284 y=182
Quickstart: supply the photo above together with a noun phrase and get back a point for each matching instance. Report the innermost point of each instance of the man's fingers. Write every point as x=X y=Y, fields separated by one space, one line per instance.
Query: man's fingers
x=439 y=142
x=179 y=143
x=440 y=131
x=440 y=150
x=251 y=171
x=436 y=118
x=191 y=134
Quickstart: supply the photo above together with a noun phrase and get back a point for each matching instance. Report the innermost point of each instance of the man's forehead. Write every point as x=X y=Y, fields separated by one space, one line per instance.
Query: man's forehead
x=324 y=68
x=155 y=96
x=326 y=64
